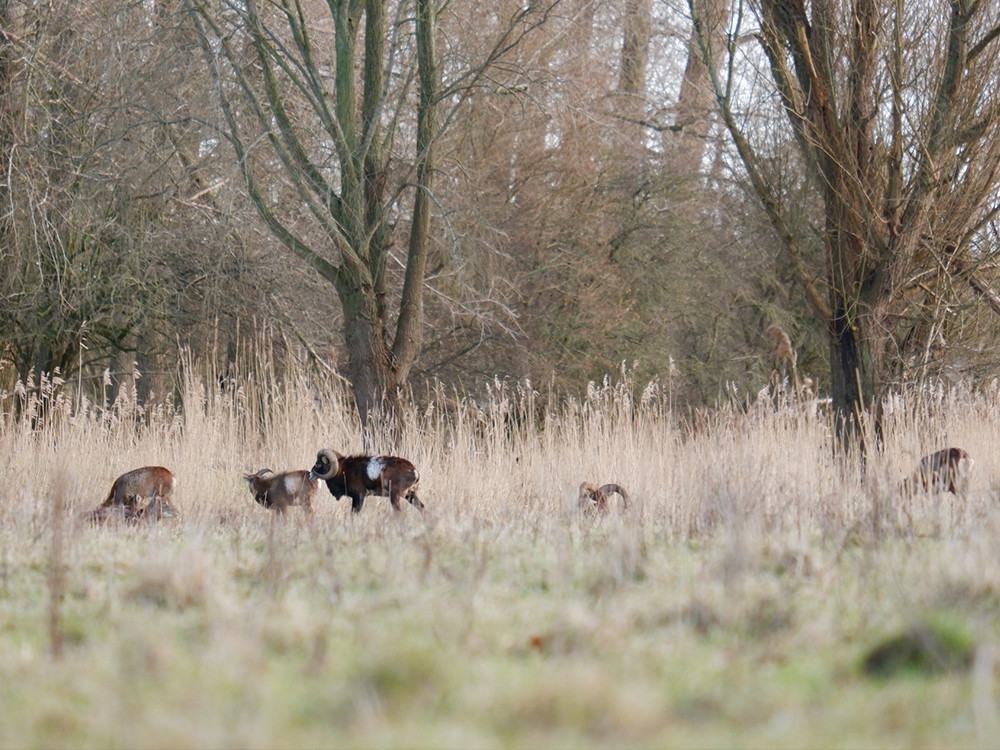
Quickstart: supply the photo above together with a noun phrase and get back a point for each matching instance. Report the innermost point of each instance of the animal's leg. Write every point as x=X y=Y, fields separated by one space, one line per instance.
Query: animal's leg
x=414 y=500
x=394 y=498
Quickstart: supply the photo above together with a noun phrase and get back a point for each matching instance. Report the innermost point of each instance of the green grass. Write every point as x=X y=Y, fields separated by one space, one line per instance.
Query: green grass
x=733 y=605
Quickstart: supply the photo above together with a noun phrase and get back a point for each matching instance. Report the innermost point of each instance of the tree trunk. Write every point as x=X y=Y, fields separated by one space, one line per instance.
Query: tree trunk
x=374 y=380
x=853 y=380
x=8 y=118
x=686 y=141
x=635 y=48
x=409 y=329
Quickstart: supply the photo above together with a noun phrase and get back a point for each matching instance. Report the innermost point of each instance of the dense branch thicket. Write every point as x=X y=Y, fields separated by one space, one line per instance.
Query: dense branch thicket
x=494 y=192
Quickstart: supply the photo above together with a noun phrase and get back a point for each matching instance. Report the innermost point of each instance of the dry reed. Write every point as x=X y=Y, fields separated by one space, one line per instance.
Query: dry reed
x=750 y=557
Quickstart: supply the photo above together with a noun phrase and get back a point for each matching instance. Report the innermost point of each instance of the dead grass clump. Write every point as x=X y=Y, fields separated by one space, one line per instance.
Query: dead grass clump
x=402 y=671
x=794 y=564
x=768 y=617
x=176 y=582
x=922 y=649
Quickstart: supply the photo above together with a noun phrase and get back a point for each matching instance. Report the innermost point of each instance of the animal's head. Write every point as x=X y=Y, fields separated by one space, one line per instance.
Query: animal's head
x=327 y=465
x=594 y=498
x=256 y=475
x=259 y=485
x=158 y=508
x=963 y=461
x=589 y=497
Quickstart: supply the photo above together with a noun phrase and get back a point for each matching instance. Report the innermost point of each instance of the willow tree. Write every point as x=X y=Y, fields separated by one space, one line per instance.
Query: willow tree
x=343 y=103
x=893 y=107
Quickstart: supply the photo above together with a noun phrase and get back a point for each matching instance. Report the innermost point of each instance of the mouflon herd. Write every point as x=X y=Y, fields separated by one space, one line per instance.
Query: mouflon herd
x=146 y=494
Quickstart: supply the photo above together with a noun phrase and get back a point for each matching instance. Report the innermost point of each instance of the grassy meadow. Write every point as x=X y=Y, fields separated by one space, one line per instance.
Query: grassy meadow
x=734 y=603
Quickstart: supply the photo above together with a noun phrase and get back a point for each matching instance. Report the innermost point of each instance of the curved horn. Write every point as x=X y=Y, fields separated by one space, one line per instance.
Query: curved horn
x=609 y=488
x=330 y=460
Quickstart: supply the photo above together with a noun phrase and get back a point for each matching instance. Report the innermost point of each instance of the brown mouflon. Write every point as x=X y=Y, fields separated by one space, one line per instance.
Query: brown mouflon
x=948 y=469
x=597 y=499
x=140 y=494
x=279 y=491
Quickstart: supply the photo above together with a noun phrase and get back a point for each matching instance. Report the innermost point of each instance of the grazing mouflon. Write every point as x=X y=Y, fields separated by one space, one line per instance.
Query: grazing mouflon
x=154 y=510
x=948 y=469
x=360 y=476
x=140 y=494
x=596 y=499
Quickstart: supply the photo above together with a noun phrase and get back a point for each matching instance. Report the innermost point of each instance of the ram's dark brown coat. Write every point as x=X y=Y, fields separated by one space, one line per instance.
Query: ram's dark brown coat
x=360 y=476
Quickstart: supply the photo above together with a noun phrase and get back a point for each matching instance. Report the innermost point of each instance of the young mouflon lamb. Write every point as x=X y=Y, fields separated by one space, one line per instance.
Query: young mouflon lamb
x=279 y=491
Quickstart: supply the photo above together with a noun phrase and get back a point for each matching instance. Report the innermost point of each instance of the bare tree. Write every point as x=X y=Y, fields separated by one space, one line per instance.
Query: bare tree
x=344 y=104
x=894 y=109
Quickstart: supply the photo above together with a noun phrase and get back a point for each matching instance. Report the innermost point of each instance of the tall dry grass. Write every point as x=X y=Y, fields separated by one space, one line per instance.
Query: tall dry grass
x=728 y=606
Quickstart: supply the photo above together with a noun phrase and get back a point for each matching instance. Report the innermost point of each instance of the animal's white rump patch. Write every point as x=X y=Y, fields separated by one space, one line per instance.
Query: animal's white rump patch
x=375 y=466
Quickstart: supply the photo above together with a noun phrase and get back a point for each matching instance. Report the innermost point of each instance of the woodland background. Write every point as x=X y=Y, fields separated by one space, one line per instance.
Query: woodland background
x=226 y=225
x=588 y=207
